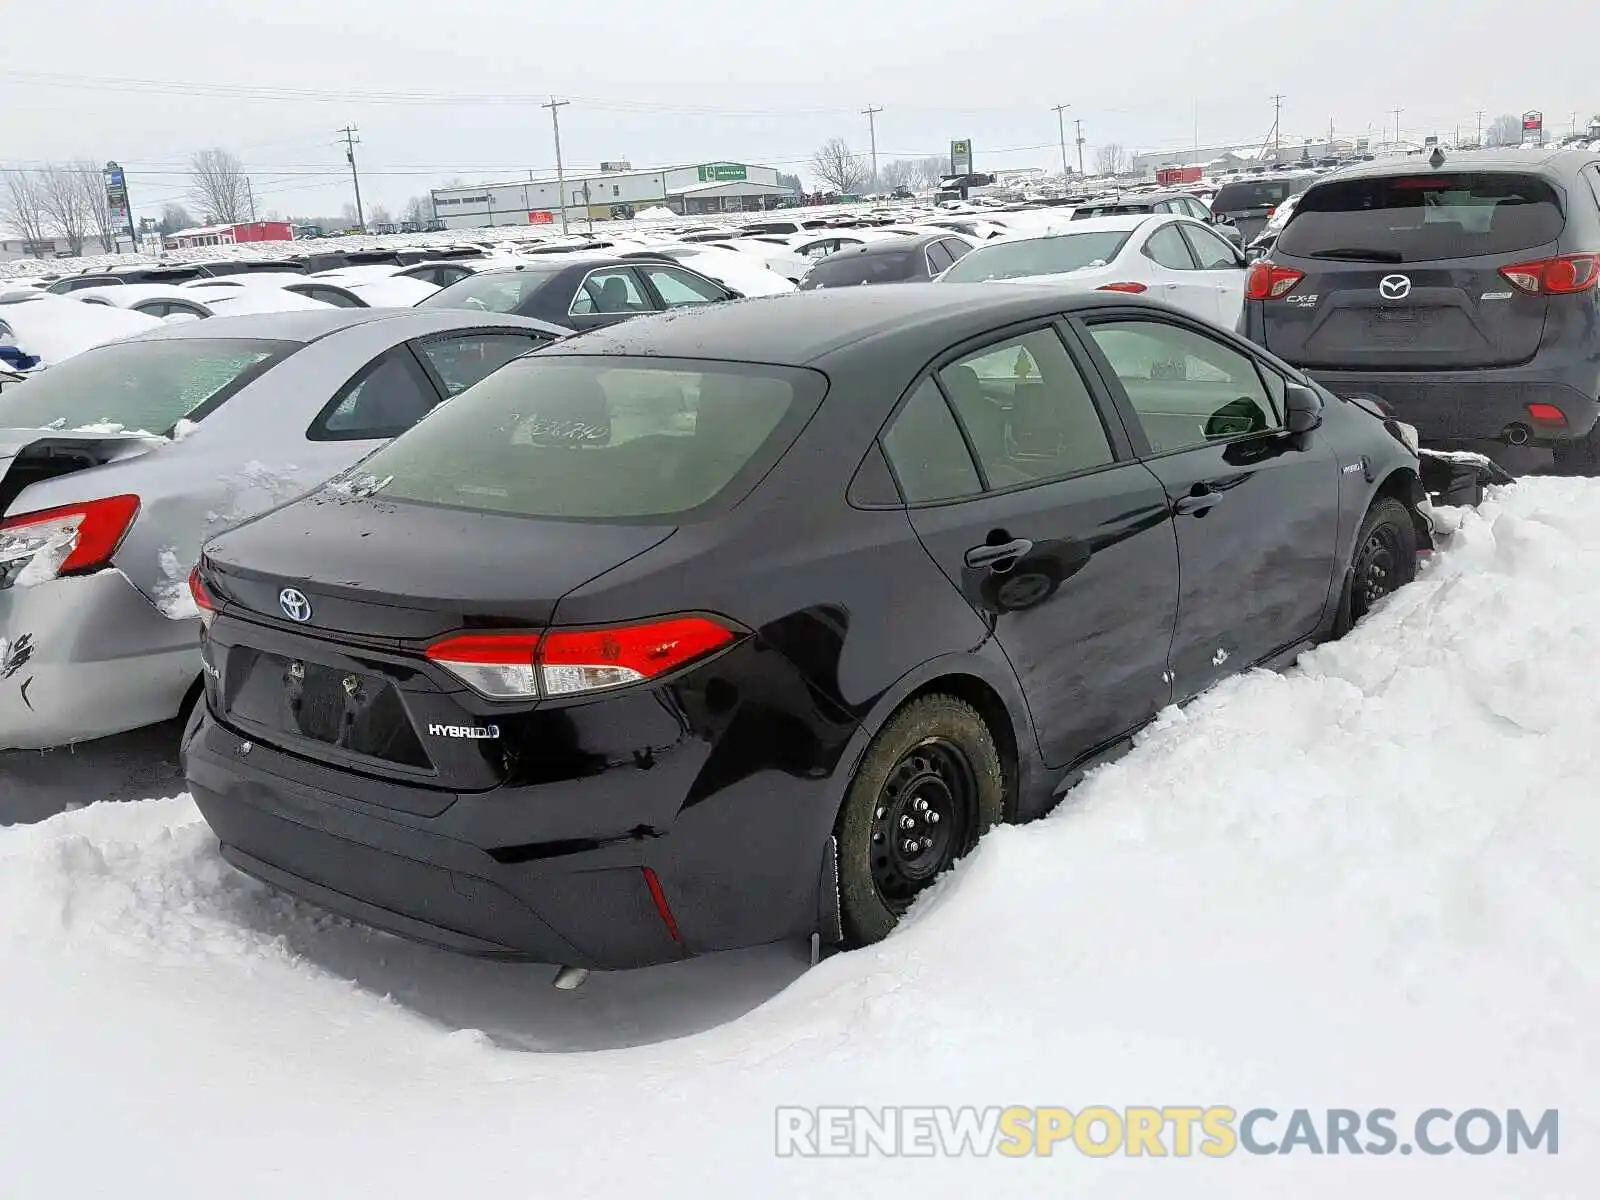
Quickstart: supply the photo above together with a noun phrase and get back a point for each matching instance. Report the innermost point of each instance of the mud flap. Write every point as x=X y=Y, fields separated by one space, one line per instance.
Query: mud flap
x=1459 y=477
x=830 y=915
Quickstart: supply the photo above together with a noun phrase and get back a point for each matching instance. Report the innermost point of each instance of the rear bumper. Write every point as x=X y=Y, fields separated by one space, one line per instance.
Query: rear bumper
x=1477 y=405
x=86 y=657
x=581 y=872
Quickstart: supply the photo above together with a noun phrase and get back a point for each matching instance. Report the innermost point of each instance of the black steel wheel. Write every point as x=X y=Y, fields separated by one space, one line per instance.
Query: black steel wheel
x=927 y=788
x=1385 y=557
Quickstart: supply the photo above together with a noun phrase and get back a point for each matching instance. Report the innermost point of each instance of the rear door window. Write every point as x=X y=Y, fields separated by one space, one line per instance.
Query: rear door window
x=462 y=359
x=1210 y=251
x=1167 y=247
x=680 y=289
x=608 y=292
x=388 y=396
x=926 y=451
x=938 y=258
x=1423 y=218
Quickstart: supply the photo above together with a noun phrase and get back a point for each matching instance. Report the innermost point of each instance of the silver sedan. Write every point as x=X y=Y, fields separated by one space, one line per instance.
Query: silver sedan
x=118 y=463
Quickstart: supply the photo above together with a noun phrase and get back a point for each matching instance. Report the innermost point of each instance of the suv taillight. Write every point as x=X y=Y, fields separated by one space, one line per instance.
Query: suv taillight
x=573 y=662
x=74 y=539
x=1269 y=281
x=1560 y=276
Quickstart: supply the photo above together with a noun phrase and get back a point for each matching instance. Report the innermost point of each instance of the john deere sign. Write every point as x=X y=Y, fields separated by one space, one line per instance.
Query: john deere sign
x=961 y=157
x=722 y=173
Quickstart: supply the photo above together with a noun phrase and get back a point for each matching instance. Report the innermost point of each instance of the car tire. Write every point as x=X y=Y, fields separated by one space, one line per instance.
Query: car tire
x=935 y=765
x=1383 y=561
x=1580 y=456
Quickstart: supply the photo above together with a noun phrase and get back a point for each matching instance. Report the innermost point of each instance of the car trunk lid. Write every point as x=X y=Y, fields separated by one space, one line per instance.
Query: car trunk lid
x=30 y=456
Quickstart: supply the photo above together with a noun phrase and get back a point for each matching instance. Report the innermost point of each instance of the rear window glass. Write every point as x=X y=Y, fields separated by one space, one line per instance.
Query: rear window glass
x=1265 y=193
x=599 y=438
x=1037 y=256
x=1110 y=210
x=138 y=386
x=498 y=291
x=1424 y=217
x=863 y=268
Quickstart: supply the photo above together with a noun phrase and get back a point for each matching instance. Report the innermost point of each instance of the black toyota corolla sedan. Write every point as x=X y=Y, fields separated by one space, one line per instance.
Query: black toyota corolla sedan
x=745 y=623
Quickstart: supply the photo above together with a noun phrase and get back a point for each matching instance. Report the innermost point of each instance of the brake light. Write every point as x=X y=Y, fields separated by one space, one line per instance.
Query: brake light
x=203 y=599
x=572 y=662
x=74 y=539
x=1133 y=289
x=1269 y=281
x=1547 y=414
x=1555 y=276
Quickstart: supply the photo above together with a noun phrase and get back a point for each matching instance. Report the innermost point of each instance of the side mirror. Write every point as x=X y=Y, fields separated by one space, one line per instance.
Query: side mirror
x=1303 y=410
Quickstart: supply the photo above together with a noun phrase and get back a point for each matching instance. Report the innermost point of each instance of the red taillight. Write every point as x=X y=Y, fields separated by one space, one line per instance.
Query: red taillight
x=1555 y=276
x=570 y=662
x=73 y=539
x=1133 y=289
x=1547 y=414
x=1269 y=281
x=203 y=600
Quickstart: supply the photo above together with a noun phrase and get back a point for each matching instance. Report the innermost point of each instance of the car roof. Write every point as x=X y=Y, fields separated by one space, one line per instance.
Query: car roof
x=1115 y=223
x=296 y=325
x=1500 y=159
x=894 y=244
x=806 y=327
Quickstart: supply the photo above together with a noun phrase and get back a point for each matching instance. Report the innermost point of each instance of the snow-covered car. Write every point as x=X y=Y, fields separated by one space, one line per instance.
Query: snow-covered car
x=744 y=273
x=1168 y=258
x=160 y=300
x=117 y=464
x=52 y=328
x=775 y=253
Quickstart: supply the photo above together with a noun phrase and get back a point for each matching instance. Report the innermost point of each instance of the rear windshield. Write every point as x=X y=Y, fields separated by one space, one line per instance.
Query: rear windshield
x=1423 y=218
x=1264 y=193
x=1037 y=256
x=883 y=267
x=139 y=386
x=1111 y=210
x=599 y=438
x=495 y=291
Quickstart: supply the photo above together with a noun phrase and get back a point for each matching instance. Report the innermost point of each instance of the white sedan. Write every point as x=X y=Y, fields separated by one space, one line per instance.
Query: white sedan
x=1164 y=257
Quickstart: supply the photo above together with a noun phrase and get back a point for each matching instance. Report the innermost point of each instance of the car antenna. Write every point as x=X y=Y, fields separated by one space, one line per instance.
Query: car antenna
x=1436 y=159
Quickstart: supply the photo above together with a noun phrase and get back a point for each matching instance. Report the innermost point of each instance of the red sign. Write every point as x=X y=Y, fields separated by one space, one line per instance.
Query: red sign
x=1168 y=176
x=1532 y=122
x=541 y=218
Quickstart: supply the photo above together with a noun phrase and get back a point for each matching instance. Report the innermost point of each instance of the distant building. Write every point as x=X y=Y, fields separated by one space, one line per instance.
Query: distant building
x=690 y=190
x=230 y=235
x=12 y=249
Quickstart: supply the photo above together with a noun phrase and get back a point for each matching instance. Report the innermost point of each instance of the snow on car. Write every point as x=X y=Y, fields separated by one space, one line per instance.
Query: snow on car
x=1368 y=883
x=54 y=328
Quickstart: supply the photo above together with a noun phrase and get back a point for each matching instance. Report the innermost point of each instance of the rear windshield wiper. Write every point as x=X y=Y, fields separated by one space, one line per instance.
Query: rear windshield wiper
x=1358 y=254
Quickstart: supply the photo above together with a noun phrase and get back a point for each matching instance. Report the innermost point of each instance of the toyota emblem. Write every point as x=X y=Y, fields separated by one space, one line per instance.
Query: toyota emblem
x=1394 y=287
x=294 y=604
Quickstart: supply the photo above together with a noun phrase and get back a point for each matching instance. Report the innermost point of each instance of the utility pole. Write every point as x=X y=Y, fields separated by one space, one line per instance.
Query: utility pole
x=1330 y=135
x=250 y=191
x=1079 y=124
x=871 y=113
x=1061 y=128
x=1277 y=126
x=351 y=141
x=555 y=106
x=1480 y=129
x=1397 y=113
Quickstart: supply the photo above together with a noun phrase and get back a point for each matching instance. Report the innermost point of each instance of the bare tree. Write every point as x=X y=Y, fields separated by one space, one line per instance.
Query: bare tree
x=22 y=204
x=218 y=187
x=173 y=218
x=1504 y=130
x=66 y=210
x=379 y=214
x=932 y=169
x=347 y=215
x=97 y=205
x=836 y=166
x=899 y=172
x=419 y=210
x=1111 y=159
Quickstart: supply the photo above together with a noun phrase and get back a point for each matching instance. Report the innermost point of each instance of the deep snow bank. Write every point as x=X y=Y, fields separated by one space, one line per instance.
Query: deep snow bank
x=1370 y=882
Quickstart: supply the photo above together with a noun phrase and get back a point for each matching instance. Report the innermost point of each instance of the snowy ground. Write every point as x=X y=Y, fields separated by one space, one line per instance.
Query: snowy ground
x=1370 y=882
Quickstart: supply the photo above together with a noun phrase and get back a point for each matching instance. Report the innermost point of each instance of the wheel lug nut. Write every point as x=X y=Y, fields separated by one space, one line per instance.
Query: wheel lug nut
x=878 y=816
x=933 y=818
x=927 y=843
x=911 y=846
x=920 y=804
x=908 y=822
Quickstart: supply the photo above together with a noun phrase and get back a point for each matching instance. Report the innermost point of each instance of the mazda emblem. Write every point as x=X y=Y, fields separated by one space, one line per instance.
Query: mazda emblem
x=1394 y=287
x=294 y=604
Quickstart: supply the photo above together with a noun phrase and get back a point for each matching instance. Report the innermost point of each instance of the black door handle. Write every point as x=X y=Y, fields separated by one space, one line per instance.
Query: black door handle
x=995 y=557
x=1197 y=503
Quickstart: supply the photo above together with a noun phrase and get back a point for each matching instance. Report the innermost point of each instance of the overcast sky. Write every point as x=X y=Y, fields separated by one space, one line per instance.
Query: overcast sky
x=444 y=90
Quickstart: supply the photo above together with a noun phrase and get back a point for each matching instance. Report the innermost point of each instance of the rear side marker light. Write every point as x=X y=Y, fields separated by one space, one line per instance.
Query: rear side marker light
x=660 y=899
x=1563 y=276
x=573 y=662
x=71 y=540
x=1269 y=281
x=1133 y=289
x=1547 y=414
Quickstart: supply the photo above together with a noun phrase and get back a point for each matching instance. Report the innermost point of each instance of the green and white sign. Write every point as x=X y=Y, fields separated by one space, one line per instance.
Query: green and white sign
x=722 y=173
x=961 y=157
